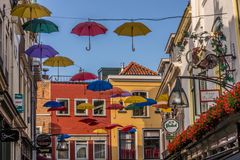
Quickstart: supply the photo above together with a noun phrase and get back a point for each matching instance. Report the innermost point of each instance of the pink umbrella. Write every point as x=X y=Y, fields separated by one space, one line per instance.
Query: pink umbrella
x=111 y=126
x=89 y=29
x=57 y=109
x=82 y=76
x=115 y=106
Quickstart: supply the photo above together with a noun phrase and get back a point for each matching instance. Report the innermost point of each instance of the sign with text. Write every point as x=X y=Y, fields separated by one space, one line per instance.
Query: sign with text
x=43 y=140
x=18 y=100
x=170 y=136
x=171 y=125
x=44 y=150
x=9 y=135
x=209 y=95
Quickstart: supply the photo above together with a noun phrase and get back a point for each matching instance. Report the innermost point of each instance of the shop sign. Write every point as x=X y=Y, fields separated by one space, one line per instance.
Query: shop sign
x=44 y=150
x=171 y=125
x=43 y=140
x=209 y=95
x=9 y=135
x=170 y=136
x=19 y=102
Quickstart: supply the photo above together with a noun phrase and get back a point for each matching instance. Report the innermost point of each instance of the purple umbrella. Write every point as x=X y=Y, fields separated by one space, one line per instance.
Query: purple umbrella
x=41 y=51
x=123 y=94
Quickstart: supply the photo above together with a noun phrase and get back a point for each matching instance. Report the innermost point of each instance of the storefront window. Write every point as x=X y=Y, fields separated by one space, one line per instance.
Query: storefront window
x=99 y=107
x=127 y=146
x=100 y=150
x=141 y=111
x=81 y=150
x=151 y=144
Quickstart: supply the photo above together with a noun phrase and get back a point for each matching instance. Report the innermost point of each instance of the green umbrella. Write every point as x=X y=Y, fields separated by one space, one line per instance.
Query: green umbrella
x=133 y=107
x=40 y=26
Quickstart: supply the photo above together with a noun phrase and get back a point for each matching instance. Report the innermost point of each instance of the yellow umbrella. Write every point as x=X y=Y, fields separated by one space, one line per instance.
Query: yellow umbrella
x=162 y=97
x=132 y=29
x=100 y=131
x=135 y=99
x=32 y=10
x=166 y=110
x=84 y=106
x=58 y=61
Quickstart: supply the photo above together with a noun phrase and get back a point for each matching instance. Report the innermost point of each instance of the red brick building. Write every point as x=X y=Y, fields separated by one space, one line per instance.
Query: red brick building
x=84 y=143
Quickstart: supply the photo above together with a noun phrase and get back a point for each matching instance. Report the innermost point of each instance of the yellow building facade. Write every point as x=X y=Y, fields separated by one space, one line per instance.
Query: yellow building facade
x=138 y=80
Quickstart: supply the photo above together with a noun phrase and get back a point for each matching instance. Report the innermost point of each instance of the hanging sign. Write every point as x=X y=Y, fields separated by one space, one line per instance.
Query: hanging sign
x=171 y=125
x=9 y=135
x=209 y=95
x=43 y=140
x=44 y=150
x=19 y=102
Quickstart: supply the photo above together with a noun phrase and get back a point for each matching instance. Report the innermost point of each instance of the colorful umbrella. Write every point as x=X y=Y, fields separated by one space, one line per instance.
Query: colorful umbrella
x=52 y=104
x=133 y=130
x=82 y=76
x=41 y=51
x=158 y=105
x=111 y=126
x=148 y=103
x=166 y=110
x=62 y=108
x=123 y=94
x=127 y=128
x=62 y=137
x=100 y=131
x=88 y=120
x=132 y=29
x=133 y=107
x=93 y=123
x=89 y=29
x=115 y=106
x=84 y=106
x=32 y=10
x=40 y=26
x=99 y=85
x=58 y=61
x=135 y=99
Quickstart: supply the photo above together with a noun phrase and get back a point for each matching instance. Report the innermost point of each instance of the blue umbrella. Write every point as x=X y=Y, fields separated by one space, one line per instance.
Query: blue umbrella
x=99 y=85
x=53 y=104
x=133 y=130
x=148 y=103
x=62 y=137
x=41 y=51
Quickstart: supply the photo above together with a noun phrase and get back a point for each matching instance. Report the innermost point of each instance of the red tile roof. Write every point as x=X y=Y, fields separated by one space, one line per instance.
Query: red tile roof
x=136 y=69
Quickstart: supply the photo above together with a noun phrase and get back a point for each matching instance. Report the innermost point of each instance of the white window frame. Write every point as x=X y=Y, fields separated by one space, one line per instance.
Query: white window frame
x=75 y=107
x=106 y=150
x=147 y=115
x=40 y=129
x=69 y=156
x=81 y=142
x=59 y=114
x=104 y=108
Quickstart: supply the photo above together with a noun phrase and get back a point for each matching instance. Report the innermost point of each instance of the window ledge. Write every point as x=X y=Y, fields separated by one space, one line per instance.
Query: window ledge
x=140 y=116
x=76 y=115
x=99 y=116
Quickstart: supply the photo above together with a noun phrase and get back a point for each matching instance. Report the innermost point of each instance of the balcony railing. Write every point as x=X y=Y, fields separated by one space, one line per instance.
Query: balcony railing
x=60 y=78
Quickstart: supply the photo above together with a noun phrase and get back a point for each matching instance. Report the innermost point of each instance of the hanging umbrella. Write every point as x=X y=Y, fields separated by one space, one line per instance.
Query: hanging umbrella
x=99 y=85
x=40 y=26
x=62 y=137
x=93 y=123
x=62 y=108
x=89 y=29
x=135 y=99
x=122 y=94
x=111 y=126
x=82 y=76
x=133 y=107
x=158 y=105
x=115 y=106
x=114 y=90
x=84 y=106
x=88 y=120
x=127 y=128
x=132 y=29
x=166 y=110
x=52 y=104
x=58 y=61
x=133 y=130
x=32 y=10
x=100 y=131
x=41 y=51
x=149 y=102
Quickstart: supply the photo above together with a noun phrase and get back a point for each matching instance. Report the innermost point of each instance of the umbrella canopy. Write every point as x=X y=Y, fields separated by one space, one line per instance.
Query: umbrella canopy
x=62 y=137
x=40 y=26
x=166 y=110
x=88 y=120
x=82 y=76
x=100 y=131
x=115 y=106
x=133 y=130
x=122 y=94
x=84 y=106
x=41 y=51
x=127 y=128
x=99 y=85
x=133 y=107
x=62 y=108
x=52 y=104
x=135 y=99
x=164 y=106
x=132 y=29
x=32 y=10
x=111 y=126
x=148 y=103
x=89 y=29
x=93 y=123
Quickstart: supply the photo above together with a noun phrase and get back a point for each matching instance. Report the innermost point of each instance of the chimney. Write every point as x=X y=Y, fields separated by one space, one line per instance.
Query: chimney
x=45 y=76
x=122 y=66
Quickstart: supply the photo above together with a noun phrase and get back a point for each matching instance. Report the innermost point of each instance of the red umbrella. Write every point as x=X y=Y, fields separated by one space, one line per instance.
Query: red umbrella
x=127 y=128
x=115 y=106
x=88 y=120
x=111 y=126
x=57 y=109
x=89 y=29
x=82 y=76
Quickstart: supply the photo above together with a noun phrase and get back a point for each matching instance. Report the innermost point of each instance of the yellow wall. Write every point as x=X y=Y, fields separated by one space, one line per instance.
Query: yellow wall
x=152 y=122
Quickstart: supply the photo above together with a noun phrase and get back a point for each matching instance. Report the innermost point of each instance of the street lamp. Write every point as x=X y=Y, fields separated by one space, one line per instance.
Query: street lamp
x=62 y=146
x=178 y=97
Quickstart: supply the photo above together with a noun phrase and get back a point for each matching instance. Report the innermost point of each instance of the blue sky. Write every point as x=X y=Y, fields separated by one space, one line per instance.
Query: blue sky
x=110 y=50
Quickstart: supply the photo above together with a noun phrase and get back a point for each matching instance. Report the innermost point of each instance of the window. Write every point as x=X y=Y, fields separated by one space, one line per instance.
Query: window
x=99 y=107
x=142 y=111
x=151 y=144
x=38 y=130
x=80 y=111
x=63 y=155
x=65 y=103
x=100 y=150
x=127 y=146
x=203 y=105
x=81 y=150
